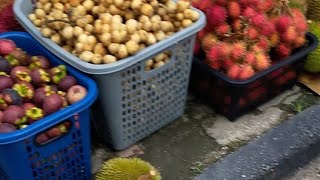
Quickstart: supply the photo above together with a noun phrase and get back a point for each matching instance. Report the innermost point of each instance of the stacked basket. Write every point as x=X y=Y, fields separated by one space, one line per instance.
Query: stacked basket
x=133 y=102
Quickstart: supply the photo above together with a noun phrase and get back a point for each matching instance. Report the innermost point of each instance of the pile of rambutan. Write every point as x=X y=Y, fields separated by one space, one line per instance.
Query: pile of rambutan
x=241 y=35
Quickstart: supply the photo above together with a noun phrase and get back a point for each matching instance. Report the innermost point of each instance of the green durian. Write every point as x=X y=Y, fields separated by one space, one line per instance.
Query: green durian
x=313 y=10
x=312 y=63
x=127 y=169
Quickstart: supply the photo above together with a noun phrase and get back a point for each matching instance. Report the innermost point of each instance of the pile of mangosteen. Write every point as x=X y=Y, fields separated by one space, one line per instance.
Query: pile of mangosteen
x=30 y=89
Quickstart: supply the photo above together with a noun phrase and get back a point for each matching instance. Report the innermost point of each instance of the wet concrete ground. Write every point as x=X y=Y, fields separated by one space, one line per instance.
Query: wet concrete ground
x=185 y=147
x=308 y=172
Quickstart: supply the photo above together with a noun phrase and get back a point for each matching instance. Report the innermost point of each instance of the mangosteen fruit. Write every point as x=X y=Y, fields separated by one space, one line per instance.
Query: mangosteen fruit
x=5 y=66
x=5 y=82
x=20 y=55
x=52 y=103
x=58 y=73
x=54 y=132
x=11 y=97
x=7 y=127
x=14 y=115
x=34 y=114
x=7 y=46
x=76 y=93
x=1 y=116
x=66 y=83
x=41 y=93
x=39 y=62
x=20 y=73
x=40 y=77
x=3 y=103
x=24 y=89
x=42 y=138
x=27 y=106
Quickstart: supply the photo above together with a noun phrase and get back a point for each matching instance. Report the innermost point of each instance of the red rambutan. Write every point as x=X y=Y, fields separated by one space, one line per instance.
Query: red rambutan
x=249 y=12
x=289 y=35
x=227 y=63
x=216 y=15
x=262 y=61
x=283 y=23
x=299 y=41
x=266 y=5
x=234 y=9
x=259 y=20
x=268 y=29
x=236 y=24
x=222 y=29
x=283 y=51
x=274 y=39
x=208 y=41
x=264 y=44
x=221 y=2
x=250 y=58
x=225 y=50
x=213 y=54
x=252 y=33
x=238 y=49
x=234 y=71
x=202 y=4
x=196 y=48
x=246 y=72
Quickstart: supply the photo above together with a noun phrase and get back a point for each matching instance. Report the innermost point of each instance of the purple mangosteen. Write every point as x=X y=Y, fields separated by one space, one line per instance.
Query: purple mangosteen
x=4 y=65
x=42 y=138
x=52 y=103
x=11 y=97
x=58 y=73
x=24 y=89
x=5 y=82
x=39 y=62
x=7 y=46
x=20 y=73
x=40 y=77
x=1 y=116
x=20 y=55
x=34 y=114
x=27 y=106
x=3 y=103
x=66 y=83
x=14 y=115
x=7 y=127
x=41 y=93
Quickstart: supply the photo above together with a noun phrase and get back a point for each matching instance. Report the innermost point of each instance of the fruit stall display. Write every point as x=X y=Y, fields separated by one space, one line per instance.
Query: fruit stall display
x=139 y=52
x=44 y=115
x=248 y=52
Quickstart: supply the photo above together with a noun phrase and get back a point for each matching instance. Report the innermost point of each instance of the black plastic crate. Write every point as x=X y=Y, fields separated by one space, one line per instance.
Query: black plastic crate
x=233 y=98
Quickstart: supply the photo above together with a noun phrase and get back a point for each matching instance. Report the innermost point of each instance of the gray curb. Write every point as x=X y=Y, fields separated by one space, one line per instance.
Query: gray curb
x=275 y=154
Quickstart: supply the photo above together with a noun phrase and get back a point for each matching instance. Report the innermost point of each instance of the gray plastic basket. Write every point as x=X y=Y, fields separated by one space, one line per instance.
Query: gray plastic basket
x=133 y=103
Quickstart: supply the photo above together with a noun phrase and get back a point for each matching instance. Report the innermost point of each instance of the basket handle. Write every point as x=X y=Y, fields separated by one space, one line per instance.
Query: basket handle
x=56 y=131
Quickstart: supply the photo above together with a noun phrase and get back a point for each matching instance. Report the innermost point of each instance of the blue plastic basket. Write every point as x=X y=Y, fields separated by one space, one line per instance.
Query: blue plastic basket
x=67 y=157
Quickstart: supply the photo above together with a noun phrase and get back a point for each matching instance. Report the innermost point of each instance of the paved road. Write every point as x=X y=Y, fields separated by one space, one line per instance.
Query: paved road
x=309 y=172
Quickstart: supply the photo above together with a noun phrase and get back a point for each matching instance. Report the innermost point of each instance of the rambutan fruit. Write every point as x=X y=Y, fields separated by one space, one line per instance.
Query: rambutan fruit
x=246 y=72
x=214 y=64
x=227 y=63
x=274 y=39
x=289 y=35
x=225 y=50
x=201 y=34
x=221 y=2
x=259 y=20
x=264 y=44
x=257 y=49
x=222 y=29
x=238 y=49
x=249 y=12
x=196 y=48
x=208 y=41
x=237 y=25
x=216 y=15
x=262 y=61
x=234 y=71
x=283 y=22
x=254 y=3
x=250 y=58
x=299 y=41
x=251 y=33
x=266 y=5
x=203 y=5
x=213 y=54
x=283 y=50
x=268 y=29
x=234 y=9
